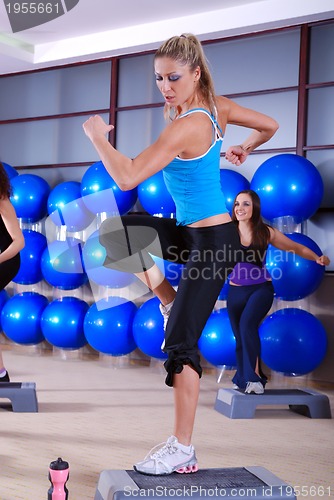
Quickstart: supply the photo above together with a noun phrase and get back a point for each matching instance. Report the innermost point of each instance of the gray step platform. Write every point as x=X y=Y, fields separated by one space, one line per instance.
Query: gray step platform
x=237 y=483
x=21 y=394
x=236 y=404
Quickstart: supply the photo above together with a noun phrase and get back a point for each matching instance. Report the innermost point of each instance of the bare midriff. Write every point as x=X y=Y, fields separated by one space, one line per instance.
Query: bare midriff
x=214 y=220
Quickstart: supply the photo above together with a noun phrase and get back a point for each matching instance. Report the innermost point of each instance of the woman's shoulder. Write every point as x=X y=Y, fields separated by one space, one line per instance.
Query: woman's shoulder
x=223 y=104
x=190 y=120
x=273 y=232
x=5 y=206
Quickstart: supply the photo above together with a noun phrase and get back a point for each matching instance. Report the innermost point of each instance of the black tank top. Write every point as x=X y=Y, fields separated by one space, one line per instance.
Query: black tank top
x=253 y=255
x=5 y=237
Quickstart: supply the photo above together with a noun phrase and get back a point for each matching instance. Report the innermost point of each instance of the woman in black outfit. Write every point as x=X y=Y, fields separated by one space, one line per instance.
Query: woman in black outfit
x=251 y=291
x=11 y=242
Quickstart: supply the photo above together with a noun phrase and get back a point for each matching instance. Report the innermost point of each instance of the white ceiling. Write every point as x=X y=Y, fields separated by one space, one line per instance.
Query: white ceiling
x=103 y=28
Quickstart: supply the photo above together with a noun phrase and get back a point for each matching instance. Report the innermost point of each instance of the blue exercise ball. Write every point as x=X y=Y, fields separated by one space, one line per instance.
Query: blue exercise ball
x=100 y=192
x=66 y=207
x=288 y=185
x=30 y=271
x=30 y=196
x=155 y=198
x=94 y=255
x=62 y=265
x=293 y=341
x=232 y=183
x=108 y=326
x=11 y=172
x=171 y=270
x=4 y=297
x=217 y=342
x=293 y=276
x=148 y=329
x=62 y=323
x=21 y=318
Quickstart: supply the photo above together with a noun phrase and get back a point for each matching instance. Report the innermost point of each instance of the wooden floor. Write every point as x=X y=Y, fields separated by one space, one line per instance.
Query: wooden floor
x=107 y=413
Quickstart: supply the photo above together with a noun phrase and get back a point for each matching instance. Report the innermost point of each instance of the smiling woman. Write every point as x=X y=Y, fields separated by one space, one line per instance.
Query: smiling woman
x=188 y=154
x=251 y=292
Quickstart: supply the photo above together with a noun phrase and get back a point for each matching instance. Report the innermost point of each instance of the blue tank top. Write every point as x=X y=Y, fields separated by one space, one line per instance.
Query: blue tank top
x=194 y=183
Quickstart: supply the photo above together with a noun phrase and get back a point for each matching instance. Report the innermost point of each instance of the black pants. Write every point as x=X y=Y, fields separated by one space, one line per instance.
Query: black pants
x=8 y=270
x=247 y=306
x=209 y=255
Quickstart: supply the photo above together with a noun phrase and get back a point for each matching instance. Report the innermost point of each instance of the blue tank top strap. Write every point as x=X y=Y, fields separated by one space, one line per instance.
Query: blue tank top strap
x=218 y=129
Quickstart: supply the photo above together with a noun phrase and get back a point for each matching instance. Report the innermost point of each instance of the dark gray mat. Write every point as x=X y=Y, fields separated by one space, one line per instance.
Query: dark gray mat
x=235 y=477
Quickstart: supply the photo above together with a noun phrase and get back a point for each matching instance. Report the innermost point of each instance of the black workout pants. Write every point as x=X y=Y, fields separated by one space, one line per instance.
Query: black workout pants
x=209 y=255
x=8 y=270
x=247 y=306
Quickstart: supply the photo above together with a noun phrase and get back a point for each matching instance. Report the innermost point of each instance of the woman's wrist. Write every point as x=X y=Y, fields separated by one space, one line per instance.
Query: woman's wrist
x=245 y=149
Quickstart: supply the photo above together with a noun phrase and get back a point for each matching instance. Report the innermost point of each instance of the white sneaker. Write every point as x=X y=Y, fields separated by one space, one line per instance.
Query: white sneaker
x=171 y=457
x=255 y=387
x=235 y=386
x=165 y=311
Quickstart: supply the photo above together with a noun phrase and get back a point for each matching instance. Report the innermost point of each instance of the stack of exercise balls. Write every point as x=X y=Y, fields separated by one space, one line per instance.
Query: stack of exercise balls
x=294 y=342
x=60 y=258
x=108 y=322
x=73 y=256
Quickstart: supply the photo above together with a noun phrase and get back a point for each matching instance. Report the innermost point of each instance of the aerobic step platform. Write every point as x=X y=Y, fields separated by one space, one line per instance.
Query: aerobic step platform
x=237 y=483
x=21 y=394
x=236 y=404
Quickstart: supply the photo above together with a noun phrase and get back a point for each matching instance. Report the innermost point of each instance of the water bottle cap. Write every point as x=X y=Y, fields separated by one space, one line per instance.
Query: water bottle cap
x=59 y=464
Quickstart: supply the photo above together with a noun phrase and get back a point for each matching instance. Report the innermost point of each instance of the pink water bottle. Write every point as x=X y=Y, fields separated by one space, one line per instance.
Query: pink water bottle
x=58 y=476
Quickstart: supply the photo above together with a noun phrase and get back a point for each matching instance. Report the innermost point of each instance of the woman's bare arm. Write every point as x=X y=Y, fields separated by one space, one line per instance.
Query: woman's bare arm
x=279 y=240
x=127 y=172
x=262 y=127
